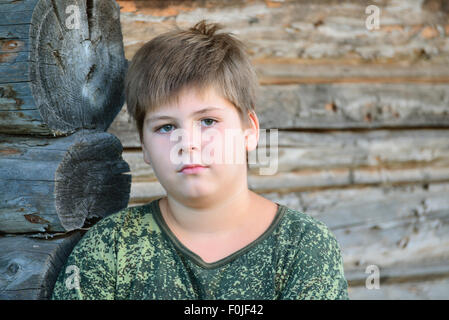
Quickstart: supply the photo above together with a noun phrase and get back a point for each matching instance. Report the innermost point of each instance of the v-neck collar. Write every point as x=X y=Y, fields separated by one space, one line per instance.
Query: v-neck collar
x=196 y=258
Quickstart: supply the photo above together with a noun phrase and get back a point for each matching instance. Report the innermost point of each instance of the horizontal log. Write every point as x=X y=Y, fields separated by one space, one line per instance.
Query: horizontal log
x=59 y=184
x=29 y=267
x=306 y=180
x=60 y=71
x=401 y=230
x=11 y=6
x=339 y=106
x=18 y=122
x=124 y=128
x=394 y=242
x=319 y=30
x=335 y=106
x=419 y=290
x=341 y=208
x=388 y=226
x=312 y=179
x=401 y=273
x=15 y=31
x=281 y=71
x=319 y=150
x=16 y=97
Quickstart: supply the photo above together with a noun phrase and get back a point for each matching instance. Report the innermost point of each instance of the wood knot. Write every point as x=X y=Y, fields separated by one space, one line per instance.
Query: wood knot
x=368 y=117
x=13 y=268
x=318 y=23
x=11 y=45
x=33 y=218
x=331 y=107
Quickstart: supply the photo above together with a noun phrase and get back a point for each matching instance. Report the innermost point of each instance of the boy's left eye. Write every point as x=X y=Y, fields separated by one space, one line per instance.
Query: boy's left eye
x=209 y=121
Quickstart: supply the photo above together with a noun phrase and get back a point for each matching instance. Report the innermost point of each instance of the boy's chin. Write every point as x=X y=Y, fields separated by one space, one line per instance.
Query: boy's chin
x=193 y=187
x=198 y=199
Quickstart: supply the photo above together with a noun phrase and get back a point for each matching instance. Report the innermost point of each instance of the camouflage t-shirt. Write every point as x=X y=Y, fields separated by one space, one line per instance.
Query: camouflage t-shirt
x=132 y=254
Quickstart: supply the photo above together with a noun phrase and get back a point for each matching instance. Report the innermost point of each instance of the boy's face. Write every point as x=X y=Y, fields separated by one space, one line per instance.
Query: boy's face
x=214 y=138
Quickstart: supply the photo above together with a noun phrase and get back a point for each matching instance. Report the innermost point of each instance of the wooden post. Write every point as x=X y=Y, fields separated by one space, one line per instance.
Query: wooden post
x=62 y=66
x=54 y=185
x=29 y=266
x=62 y=69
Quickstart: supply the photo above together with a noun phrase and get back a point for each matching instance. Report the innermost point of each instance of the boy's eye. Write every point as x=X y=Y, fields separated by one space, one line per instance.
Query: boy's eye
x=162 y=127
x=209 y=121
x=166 y=127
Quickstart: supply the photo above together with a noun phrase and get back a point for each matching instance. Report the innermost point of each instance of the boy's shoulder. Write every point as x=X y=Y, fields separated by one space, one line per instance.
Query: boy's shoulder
x=305 y=231
x=131 y=219
x=300 y=222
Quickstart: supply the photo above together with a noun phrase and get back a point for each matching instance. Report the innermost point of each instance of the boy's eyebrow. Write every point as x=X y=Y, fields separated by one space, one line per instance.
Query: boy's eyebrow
x=205 y=110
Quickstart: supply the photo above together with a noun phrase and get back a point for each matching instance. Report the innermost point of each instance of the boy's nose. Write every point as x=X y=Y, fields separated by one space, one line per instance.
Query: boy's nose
x=191 y=138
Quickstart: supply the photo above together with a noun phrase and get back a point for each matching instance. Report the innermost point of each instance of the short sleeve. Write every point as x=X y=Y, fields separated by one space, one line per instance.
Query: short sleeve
x=90 y=270
x=317 y=272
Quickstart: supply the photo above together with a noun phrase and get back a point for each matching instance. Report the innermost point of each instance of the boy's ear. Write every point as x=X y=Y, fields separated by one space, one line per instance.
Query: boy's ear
x=146 y=156
x=252 y=133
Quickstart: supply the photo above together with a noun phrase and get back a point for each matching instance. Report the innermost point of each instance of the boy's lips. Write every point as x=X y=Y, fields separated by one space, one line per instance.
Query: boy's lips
x=192 y=168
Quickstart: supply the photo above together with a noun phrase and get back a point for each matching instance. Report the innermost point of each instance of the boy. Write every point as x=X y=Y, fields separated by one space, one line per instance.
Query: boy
x=210 y=237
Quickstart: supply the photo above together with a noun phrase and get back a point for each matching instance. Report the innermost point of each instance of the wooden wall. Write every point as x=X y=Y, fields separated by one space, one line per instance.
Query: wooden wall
x=363 y=119
x=61 y=86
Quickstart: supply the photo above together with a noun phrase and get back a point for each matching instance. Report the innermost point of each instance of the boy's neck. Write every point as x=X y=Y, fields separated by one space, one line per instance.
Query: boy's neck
x=219 y=217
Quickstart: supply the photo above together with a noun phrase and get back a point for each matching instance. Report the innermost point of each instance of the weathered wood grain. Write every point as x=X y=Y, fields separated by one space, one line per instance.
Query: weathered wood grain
x=402 y=230
x=354 y=105
x=313 y=179
x=414 y=290
x=332 y=149
x=323 y=33
x=335 y=106
x=400 y=273
x=61 y=68
x=124 y=128
x=306 y=180
x=387 y=226
x=29 y=267
x=279 y=71
x=57 y=184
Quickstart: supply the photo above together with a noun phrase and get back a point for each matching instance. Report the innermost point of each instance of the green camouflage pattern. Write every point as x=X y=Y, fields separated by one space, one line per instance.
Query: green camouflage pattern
x=132 y=254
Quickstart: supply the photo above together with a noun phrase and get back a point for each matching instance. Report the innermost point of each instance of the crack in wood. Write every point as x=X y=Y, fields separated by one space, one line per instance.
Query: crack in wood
x=90 y=16
x=58 y=18
x=90 y=73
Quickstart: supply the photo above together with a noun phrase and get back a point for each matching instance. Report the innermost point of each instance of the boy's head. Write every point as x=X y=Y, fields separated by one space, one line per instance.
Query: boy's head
x=183 y=71
x=198 y=57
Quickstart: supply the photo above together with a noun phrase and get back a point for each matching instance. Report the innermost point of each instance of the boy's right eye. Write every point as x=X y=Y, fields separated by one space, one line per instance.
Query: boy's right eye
x=162 y=127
